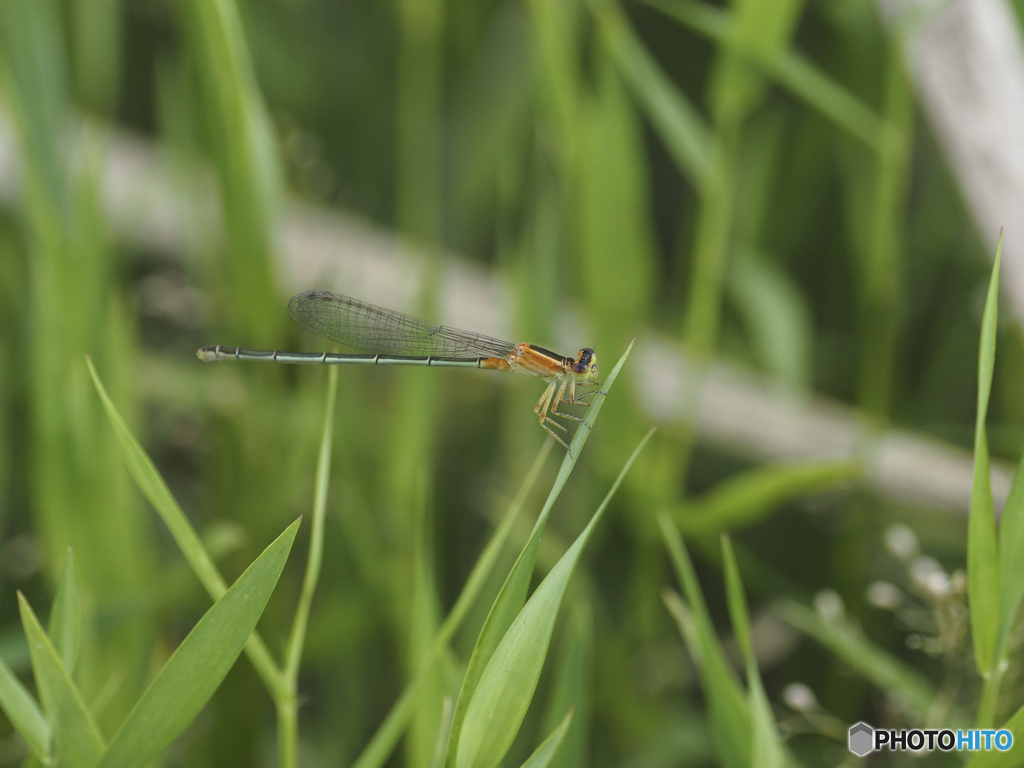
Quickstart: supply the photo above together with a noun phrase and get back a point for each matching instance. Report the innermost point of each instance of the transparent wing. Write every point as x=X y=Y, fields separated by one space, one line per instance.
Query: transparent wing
x=383 y=331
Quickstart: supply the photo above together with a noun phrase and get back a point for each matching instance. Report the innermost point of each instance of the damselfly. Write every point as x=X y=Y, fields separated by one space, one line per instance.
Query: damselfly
x=397 y=339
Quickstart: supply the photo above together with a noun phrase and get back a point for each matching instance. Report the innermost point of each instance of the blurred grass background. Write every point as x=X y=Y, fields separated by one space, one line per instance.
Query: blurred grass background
x=625 y=161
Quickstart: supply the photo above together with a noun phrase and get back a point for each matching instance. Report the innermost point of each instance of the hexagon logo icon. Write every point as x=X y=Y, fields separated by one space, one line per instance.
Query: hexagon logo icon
x=861 y=739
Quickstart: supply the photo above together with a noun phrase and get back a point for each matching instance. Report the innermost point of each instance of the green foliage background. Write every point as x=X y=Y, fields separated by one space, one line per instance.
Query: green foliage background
x=753 y=180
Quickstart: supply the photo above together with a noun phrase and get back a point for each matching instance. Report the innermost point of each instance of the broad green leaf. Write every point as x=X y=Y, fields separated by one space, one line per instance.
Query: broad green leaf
x=728 y=713
x=765 y=749
x=983 y=578
x=846 y=641
x=24 y=713
x=509 y=680
x=752 y=495
x=153 y=487
x=65 y=626
x=376 y=753
x=200 y=663
x=543 y=755
x=77 y=741
x=512 y=595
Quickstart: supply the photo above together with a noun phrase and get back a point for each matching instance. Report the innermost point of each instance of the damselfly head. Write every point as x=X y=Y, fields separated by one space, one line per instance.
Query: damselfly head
x=586 y=363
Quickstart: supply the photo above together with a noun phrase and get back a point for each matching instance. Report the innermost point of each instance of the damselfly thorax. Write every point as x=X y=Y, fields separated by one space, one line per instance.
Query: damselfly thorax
x=394 y=338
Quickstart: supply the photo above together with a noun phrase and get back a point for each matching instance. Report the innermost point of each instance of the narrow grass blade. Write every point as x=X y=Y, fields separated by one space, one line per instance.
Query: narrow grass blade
x=512 y=595
x=678 y=124
x=200 y=663
x=995 y=758
x=792 y=71
x=24 y=713
x=728 y=713
x=1011 y=555
x=65 y=628
x=77 y=741
x=571 y=686
x=287 y=708
x=293 y=654
x=983 y=579
x=765 y=749
x=897 y=679
x=543 y=755
x=752 y=495
x=506 y=687
x=376 y=753
x=153 y=487
x=244 y=152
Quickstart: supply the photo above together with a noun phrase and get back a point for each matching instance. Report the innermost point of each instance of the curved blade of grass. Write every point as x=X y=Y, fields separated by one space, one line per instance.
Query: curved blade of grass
x=543 y=755
x=506 y=687
x=77 y=740
x=890 y=674
x=153 y=487
x=245 y=156
x=200 y=663
x=680 y=126
x=65 y=628
x=512 y=595
x=983 y=580
x=792 y=71
x=728 y=713
x=994 y=758
x=376 y=753
x=287 y=721
x=754 y=494
x=571 y=685
x=24 y=713
x=765 y=749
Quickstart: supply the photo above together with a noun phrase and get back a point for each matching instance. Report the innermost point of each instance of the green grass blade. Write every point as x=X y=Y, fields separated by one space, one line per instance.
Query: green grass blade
x=293 y=654
x=983 y=579
x=376 y=753
x=678 y=124
x=737 y=600
x=245 y=155
x=752 y=495
x=512 y=595
x=765 y=749
x=994 y=758
x=544 y=754
x=200 y=663
x=77 y=741
x=506 y=687
x=890 y=674
x=65 y=626
x=728 y=713
x=572 y=686
x=24 y=713
x=792 y=71
x=153 y=487
x=1011 y=555
x=287 y=708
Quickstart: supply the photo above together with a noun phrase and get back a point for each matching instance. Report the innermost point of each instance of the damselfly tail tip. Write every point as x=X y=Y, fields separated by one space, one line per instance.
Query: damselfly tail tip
x=207 y=354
